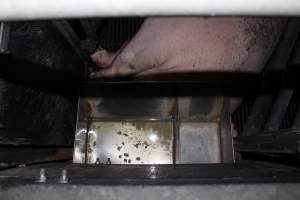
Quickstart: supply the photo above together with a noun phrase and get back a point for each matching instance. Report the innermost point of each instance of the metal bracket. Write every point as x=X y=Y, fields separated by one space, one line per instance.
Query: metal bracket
x=4 y=37
x=298 y=149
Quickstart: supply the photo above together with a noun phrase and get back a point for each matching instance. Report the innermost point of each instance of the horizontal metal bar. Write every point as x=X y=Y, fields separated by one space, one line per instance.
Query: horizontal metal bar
x=54 y=9
x=172 y=175
x=197 y=84
x=26 y=155
x=123 y=119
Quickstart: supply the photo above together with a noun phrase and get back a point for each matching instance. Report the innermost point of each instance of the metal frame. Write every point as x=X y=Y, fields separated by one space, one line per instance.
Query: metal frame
x=49 y=9
x=247 y=172
x=4 y=36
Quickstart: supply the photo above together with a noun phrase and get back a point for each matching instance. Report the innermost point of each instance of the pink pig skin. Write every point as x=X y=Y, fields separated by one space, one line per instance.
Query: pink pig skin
x=194 y=44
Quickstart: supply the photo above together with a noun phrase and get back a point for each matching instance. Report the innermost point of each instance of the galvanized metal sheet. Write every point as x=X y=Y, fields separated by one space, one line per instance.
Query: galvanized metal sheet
x=199 y=143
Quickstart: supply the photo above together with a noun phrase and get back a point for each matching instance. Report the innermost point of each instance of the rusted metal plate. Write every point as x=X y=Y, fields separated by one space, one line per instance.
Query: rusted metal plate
x=115 y=142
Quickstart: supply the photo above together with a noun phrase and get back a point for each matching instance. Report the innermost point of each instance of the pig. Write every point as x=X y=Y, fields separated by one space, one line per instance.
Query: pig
x=193 y=44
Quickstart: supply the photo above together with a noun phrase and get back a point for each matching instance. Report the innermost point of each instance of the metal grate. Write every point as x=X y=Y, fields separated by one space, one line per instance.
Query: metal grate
x=291 y=112
x=240 y=115
x=41 y=43
x=115 y=31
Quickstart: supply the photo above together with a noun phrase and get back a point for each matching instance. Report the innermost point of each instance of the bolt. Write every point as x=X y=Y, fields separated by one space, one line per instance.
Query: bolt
x=98 y=161
x=64 y=177
x=42 y=178
x=153 y=172
x=108 y=161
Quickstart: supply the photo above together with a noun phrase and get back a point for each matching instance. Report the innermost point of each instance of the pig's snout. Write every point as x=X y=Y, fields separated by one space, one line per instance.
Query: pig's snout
x=102 y=58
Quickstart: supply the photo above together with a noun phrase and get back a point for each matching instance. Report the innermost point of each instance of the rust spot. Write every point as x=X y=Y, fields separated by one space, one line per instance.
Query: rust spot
x=120 y=156
x=146 y=144
x=162 y=128
x=138 y=158
x=125 y=134
x=119 y=148
x=126 y=154
x=63 y=153
x=119 y=133
x=137 y=144
x=129 y=161
x=125 y=160
x=87 y=108
x=123 y=143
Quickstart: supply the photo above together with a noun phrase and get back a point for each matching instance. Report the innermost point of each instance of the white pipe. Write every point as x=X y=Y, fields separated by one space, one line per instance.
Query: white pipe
x=55 y=9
